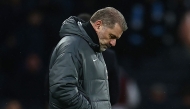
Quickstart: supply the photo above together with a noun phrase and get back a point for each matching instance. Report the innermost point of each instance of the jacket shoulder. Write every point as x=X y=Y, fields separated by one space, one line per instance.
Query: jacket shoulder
x=69 y=44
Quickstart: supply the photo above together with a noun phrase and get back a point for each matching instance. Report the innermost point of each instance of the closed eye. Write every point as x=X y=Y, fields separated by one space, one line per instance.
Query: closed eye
x=113 y=36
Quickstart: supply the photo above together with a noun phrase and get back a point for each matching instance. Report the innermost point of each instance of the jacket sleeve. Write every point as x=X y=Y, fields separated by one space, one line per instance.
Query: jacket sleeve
x=63 y=79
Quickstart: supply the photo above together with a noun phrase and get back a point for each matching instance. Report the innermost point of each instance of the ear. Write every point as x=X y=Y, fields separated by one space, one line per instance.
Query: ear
x=97 y=25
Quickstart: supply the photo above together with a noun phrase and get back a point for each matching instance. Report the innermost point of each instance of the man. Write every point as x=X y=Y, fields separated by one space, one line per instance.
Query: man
x=78 y=75
x=111 y=64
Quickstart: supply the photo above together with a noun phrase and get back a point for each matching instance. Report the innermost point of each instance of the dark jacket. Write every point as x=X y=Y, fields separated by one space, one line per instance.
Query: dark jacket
x=78 y=76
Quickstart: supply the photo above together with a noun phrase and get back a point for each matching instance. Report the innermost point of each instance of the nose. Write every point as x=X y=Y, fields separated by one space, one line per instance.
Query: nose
x=113 y=42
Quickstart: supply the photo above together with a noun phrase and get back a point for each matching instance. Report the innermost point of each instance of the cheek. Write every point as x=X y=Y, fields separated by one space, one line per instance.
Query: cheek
x=105 y=41
x=101 y=35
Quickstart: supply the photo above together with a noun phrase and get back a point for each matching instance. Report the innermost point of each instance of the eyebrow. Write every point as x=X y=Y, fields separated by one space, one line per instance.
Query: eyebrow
x=113 y=36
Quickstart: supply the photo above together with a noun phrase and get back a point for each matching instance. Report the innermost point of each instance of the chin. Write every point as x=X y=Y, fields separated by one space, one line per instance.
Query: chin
x=102 y=49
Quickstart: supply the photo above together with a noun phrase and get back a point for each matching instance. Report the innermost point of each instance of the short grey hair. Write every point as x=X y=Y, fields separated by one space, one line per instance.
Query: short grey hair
x=109 y=17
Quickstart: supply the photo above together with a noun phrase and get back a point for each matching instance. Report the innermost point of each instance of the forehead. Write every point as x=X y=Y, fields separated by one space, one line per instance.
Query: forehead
x=117 y=31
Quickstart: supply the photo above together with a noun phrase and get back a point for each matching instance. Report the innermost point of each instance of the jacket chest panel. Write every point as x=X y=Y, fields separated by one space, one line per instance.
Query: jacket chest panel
x=95 y=77
x=94 y=67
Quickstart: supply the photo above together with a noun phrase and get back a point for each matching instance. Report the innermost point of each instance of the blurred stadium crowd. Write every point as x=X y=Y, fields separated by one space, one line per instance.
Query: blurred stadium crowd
x=153 y=54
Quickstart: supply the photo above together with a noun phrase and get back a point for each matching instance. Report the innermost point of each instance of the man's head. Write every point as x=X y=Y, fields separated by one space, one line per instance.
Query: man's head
x=109 y=25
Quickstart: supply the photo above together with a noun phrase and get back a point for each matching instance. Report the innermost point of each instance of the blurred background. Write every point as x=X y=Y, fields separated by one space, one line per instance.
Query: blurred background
x=153 y=54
